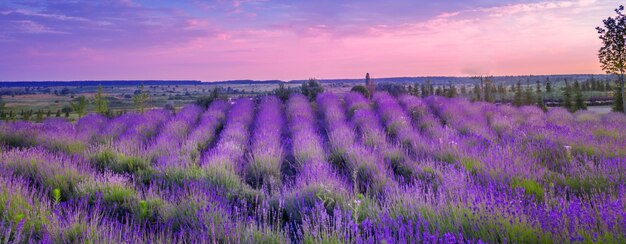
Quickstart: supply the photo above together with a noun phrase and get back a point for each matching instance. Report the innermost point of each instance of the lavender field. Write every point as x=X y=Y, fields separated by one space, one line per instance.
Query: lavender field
x=339 y=169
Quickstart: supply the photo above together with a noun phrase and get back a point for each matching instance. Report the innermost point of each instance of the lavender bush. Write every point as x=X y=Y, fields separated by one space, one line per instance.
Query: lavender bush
x=340 y=169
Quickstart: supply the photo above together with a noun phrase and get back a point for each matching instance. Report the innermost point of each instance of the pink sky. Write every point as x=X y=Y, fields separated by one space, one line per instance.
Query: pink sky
x=261 y=40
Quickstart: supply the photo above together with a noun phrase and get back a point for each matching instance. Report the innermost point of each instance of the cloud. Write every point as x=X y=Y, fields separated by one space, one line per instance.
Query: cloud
x=517 y=8
x=115 y=24
x=27 y=26
x=527 y=7
x=25 y=12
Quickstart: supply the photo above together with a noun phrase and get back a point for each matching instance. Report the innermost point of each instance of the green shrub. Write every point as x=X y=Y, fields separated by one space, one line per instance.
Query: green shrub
x=361 y=89
x=56 y=195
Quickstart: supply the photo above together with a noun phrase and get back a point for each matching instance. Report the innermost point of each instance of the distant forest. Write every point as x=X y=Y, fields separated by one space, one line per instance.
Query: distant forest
x=435 y=80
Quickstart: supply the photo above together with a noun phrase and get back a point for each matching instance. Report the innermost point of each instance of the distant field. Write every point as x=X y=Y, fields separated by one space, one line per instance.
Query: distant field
x=50 y=99
x=120 y=97
x=601 y=109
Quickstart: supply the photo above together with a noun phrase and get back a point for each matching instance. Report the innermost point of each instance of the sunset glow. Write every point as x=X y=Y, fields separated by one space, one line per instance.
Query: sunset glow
x=268 y=39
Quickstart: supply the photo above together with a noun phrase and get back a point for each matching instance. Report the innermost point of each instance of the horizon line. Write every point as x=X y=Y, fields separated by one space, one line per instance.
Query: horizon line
x=304 y=79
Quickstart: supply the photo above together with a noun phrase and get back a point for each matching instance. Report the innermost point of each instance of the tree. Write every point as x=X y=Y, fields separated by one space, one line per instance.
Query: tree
x=517 y=98
x=78 y=105
x=424 y=90
x=617 y=96
x=282 y=92
x=1 y=104
x=538 y=87
x=567 y=98
x=528 y=94
x=579 y=100
x=540 y=103
x=599 y=85
x=361 y=89
x=26 y=115
x=140 y=99
x=205 y=101
x=548 y=85
x=477 y=93
x=101 y=102
x=414 y=90
x=451 y=92
x=65 y=91
x=606 y=86
x=427 y=89
x=612 y=54
x=439 y=91
x=39 y=117
x=66 y=109
x=488 y=90
x=311 y=88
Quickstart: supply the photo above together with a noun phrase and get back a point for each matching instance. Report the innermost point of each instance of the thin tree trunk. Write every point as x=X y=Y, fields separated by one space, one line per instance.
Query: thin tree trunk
x=623 y=92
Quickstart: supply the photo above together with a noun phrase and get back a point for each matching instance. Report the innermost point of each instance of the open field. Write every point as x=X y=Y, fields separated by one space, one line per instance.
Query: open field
x=339 y=168
x=54 y=98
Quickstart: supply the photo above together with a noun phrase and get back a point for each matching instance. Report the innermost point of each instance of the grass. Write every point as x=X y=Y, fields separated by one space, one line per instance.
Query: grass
x=530 y=187
x=430 y=177
x=119 y=162
x=583 y=185
x=18 y=207
x=399 y=164
x=482 y=224
x=603 y=133
x=446 y=157
x=116 y=195
x=48 y=175
x=300 y=201
x=472 y=166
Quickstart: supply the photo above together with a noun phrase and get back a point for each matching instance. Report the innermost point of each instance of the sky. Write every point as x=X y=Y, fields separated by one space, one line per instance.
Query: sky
x=288 y=39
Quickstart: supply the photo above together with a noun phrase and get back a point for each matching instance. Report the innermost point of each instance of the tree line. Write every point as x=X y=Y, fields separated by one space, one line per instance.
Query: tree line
x=78 y=106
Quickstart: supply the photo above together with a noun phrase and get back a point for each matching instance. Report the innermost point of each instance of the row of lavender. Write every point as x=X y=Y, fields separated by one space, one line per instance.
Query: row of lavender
x=345 y=169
